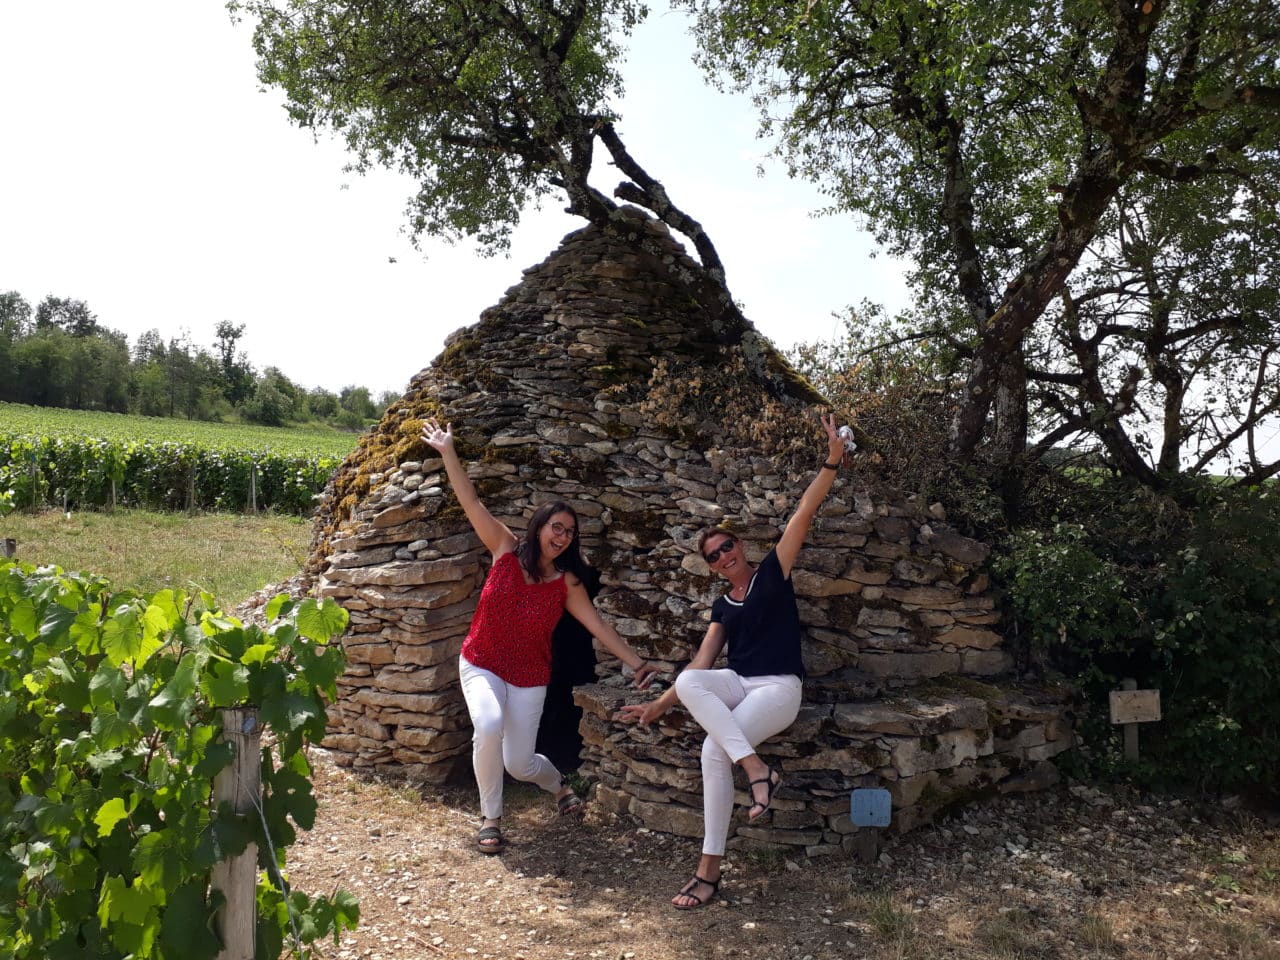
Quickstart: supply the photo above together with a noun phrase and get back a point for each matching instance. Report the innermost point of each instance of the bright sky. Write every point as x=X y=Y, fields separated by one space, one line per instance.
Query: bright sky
x=146 y=173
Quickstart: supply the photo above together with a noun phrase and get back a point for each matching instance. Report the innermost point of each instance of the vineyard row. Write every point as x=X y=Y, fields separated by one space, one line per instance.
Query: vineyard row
x=163 y=475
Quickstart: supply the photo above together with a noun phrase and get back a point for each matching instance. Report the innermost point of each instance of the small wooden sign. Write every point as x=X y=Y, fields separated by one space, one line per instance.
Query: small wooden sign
x=1135 y=706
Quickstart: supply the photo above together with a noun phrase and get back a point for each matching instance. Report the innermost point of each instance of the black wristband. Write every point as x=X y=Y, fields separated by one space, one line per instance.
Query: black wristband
x=831 y=466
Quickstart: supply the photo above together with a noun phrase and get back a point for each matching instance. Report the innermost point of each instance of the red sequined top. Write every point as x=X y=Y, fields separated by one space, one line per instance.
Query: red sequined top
x=511 y=631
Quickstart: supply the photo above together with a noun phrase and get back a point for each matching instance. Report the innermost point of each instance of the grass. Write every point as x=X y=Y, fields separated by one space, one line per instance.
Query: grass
x=228 y=555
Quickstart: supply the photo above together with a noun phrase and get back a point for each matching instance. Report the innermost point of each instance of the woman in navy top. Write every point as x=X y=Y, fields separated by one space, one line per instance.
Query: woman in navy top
x=759 y=694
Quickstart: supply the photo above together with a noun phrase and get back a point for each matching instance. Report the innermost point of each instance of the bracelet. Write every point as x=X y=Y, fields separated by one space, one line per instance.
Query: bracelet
x=831 y=466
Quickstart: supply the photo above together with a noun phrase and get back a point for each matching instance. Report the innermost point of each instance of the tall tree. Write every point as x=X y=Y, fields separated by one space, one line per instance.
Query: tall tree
x=71 y=316
x=987 y=140
x=237 y=373
x=490 y=105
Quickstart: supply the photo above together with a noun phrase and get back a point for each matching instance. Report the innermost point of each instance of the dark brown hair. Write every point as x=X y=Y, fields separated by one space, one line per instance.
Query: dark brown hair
x=529 y=549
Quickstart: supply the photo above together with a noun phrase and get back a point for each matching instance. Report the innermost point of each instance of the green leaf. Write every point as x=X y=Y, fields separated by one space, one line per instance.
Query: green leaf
x=129 y=913
x=225 y=684
x=107 y=685
x=186 y=927
x=124 y=638
x=22 y=619
x=157 y=860
x=56 y=625
x=111 y=813
x=172 y=707
x=321 y=621
x=275 y=605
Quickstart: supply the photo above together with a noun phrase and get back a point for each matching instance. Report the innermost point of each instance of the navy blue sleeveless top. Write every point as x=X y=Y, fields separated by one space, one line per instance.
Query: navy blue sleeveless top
x=763 y=630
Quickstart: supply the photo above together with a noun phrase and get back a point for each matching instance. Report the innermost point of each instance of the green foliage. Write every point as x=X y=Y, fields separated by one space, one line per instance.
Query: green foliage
x=1181 y=595
x=109 y=742
x=77 y=455
x=481 y=103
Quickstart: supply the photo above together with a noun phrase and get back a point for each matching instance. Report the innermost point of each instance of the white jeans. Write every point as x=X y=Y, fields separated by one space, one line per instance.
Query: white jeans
x=737 y=713
x=505 y=719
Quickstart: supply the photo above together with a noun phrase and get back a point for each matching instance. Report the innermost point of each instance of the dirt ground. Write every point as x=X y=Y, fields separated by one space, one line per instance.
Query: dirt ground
x=1071 y=873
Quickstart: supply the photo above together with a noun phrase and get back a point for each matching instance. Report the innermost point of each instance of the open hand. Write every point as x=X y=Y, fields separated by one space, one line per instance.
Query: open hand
x=436 y=437
x=641 y=713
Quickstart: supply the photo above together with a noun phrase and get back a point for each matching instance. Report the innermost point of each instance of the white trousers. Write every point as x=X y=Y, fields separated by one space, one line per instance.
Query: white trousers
x=505 y=720
x=737 y=713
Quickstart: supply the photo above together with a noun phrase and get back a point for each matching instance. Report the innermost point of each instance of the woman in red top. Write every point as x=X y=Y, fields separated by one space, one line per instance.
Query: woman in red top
x=506 y=657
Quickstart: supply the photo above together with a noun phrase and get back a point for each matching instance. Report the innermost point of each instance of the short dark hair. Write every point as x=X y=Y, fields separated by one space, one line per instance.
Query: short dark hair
x=707 y=533
x=529 y=550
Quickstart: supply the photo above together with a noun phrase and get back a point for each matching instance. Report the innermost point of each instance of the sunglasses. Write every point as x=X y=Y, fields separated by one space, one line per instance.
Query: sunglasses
x=719 y=551
x=560 y=530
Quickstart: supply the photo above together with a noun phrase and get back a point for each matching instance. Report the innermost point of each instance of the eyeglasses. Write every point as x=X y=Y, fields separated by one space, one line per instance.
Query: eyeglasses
x=560 y=530
x=719 y=551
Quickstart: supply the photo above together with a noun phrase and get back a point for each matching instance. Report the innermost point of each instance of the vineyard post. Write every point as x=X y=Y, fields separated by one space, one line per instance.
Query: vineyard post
x=237 y=877
x=111 y=503
x=191 y=489
x=35 y=485
x=253 y=486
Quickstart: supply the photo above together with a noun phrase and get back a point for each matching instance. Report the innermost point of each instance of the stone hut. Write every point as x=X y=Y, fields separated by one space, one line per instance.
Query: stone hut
x=598 y=379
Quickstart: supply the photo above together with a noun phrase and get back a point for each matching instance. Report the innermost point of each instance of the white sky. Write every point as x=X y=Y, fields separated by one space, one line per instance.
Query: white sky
x=145 y=172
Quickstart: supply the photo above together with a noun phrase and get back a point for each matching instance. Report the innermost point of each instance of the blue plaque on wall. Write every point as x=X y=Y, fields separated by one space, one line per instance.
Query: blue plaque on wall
x=870 y=807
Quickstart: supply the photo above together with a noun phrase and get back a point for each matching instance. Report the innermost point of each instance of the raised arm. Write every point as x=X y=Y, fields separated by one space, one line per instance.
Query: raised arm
x=798 y=526
x=492 y=532
x=708 y=650
x=579 y=604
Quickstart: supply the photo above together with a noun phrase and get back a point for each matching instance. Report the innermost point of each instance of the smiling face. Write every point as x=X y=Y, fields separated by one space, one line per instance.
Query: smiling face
x=556 y=534
x=723 y=553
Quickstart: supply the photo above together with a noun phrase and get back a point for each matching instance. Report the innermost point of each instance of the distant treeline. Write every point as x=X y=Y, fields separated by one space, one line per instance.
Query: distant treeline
x=57 y=355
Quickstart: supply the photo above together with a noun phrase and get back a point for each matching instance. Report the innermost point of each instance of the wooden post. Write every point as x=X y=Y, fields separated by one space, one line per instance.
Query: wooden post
x=239 y=784
x=111 y=503
x=35 y=484
x=191 y=490
x=8 y=547
x=1130 y=707
x=253 y=486
x=1130 y=729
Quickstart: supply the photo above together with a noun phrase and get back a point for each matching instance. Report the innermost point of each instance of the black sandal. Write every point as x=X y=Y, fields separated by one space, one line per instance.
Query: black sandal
x=771 y=781
x=489 y=840
x=698 y=902
x=570 y=805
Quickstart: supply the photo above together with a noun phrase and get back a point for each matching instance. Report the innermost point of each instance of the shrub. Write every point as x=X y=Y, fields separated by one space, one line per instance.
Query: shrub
x=109 y=743
x=1179 y=593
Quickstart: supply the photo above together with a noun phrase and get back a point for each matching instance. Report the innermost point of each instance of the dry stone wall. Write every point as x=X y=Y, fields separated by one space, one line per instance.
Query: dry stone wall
x=596 y=380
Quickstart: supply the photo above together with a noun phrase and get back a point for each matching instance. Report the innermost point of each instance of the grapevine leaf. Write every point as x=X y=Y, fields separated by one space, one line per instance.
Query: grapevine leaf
x=110 y=729
x=157 y=861
x=57 y=623
x=226 y=684
x=172 y=707
x=86 y=631
x=185 y=928
x=107 y=685
x=167 y=604
x=290 y=795
x=111 y=813
x=22 y=619
x=216 y=756
x=321 y=622
x=105 y=760
x=259 y=653
x=275 y=605
x=289 y=711
x=129 y=913
x=124 y=638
